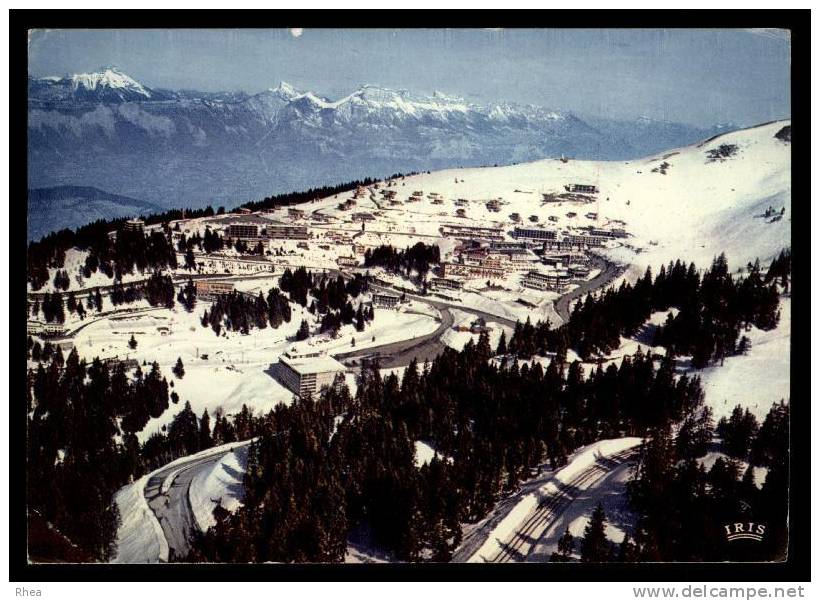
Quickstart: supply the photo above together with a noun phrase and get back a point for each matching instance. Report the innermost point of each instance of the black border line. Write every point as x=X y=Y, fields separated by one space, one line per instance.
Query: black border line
x=797 y=566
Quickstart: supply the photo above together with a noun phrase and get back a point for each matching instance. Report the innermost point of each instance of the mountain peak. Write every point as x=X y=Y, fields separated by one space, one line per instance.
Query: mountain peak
x=287 y=90
x=108 y=77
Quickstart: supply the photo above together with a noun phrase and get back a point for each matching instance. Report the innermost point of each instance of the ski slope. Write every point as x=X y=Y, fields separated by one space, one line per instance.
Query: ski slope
x=695 y=210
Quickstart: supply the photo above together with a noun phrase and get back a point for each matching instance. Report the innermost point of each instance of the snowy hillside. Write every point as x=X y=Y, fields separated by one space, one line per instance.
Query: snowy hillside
x=695 y=210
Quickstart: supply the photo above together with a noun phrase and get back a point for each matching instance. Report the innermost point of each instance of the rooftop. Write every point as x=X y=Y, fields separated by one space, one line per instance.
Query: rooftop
x=311 y=365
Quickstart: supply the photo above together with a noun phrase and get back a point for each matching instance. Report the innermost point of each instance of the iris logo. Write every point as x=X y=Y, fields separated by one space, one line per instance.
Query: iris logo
x=744 y=531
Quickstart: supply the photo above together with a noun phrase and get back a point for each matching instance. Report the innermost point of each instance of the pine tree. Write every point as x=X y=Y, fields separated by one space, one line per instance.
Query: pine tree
x=179 y=369
x=502 y=344
x=594 y=545
x=565 y=545
x=132 y=343
x=303 y=332
x=205 y=441
x=627 y=551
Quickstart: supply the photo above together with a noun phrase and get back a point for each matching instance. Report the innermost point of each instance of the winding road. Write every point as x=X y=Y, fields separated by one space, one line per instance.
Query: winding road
x=609 y=271
x=396 y=354
x=167 y=493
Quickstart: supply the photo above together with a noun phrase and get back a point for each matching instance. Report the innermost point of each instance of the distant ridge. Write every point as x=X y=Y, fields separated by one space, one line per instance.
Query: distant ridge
x=188 y=148
x=58 y=207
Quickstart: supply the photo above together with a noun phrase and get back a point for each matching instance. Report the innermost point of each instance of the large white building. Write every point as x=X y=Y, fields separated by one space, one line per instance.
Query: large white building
x=306 y=371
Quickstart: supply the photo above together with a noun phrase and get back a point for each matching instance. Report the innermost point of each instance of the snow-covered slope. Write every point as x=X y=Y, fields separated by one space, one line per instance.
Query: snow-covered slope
x=697 y=209
x=757 y=379
x=109 y=84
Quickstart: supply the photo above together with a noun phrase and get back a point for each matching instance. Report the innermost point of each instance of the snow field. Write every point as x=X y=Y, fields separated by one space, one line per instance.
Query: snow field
x=758 y=378
x=221 y=484
x=546 y=487
x=139 y=536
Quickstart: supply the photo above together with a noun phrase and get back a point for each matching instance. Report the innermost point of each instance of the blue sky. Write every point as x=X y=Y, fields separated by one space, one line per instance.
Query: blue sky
x=702 y=77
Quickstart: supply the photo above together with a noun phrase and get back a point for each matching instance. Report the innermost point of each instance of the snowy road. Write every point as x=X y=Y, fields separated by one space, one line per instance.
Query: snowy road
x=167 y=493
x=440 y=305
x=396 y=354
x=609 y=271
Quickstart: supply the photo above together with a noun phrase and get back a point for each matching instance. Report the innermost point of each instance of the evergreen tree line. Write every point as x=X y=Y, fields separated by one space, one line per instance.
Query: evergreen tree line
x=240 y=312
x=50 y=250
x=135 y=249
x=82 y=445
x=61 y=280
x=313 y=483
x=713 y=310
x=292 y=198
x=331 y=299
x=417 y=258
x=52 y=307
x=74 y=463
x=683 y=507
x=131 y=250
x=209 y=243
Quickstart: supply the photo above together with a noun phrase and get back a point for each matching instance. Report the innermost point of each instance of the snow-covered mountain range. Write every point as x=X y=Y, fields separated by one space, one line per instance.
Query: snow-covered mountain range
x=175 y=148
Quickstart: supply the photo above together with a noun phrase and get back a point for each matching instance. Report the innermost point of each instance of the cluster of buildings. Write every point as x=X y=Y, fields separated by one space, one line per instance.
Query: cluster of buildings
x=232 y=264
x=588 y=237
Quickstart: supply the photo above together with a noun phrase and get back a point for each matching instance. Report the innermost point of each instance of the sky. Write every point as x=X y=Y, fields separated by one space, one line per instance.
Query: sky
x=696 y=76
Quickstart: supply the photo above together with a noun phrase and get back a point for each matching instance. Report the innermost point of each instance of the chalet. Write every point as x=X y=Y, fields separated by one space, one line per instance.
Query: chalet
x=533 y=233
x=210 y=290
x=539 y=280
x=386 y=300
x=581 y=188
x=468 y=232
x=347 y=262
x=444 y=284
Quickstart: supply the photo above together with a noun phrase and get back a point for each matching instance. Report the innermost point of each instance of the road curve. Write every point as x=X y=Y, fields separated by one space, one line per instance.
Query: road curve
x=171 y=503
x=400 y=353
x=609 y=271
